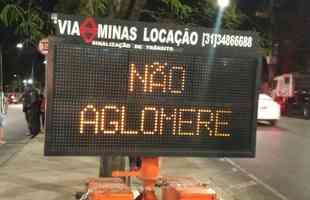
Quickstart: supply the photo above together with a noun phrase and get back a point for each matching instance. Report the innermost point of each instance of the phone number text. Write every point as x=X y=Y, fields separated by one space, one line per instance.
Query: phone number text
x=215 y=40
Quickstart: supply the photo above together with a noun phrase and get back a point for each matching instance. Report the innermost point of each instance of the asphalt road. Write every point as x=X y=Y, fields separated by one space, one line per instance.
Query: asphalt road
x=281 y=169
x=282 y=158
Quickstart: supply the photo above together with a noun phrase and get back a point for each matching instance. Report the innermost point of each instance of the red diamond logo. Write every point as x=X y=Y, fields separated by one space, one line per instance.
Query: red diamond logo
x=88 y=29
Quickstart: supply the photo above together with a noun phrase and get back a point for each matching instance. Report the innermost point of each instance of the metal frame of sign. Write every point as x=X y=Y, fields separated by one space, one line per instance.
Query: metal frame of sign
x=51 y=142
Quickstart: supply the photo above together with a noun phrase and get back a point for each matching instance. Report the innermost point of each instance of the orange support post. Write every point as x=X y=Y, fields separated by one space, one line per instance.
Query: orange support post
x=176 y=188
x=148 y=173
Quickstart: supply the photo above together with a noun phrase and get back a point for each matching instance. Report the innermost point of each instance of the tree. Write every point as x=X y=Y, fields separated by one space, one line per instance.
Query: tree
x=27 y=17
x=120 y=9
x=21 y=21
x=27 y=20
x=258 y=17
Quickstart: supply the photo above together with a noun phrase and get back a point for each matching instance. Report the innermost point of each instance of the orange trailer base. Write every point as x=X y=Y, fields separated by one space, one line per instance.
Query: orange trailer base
x=108 y=189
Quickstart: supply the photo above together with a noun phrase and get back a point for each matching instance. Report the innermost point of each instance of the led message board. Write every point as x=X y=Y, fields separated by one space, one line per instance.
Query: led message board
x=179 y=100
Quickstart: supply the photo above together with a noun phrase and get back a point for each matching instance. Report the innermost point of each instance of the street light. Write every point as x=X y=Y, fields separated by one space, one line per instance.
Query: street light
x=30 y=81
x=223 y=3
x=20 y=45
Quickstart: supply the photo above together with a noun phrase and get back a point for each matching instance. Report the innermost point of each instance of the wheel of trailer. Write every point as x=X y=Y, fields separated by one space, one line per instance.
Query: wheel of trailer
x=306 y=111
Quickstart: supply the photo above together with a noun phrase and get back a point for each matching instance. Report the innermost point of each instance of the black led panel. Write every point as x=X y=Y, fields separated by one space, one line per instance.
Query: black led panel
x=150 y=103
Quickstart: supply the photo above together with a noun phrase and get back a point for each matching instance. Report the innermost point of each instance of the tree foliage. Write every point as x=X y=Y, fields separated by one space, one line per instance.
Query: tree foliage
x=27 y=21
x=205 y=13
x=130 y=9
x=259 y=18
x=233 y=17
x=180 y=9
x=94 y=7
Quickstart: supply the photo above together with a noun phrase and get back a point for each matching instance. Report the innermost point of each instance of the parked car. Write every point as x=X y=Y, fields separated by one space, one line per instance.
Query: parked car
x=299 y=105
x=268 y=109
x=12 y=98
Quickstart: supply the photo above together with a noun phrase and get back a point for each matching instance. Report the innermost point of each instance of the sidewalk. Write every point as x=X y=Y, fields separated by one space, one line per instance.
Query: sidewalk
x=31 y=176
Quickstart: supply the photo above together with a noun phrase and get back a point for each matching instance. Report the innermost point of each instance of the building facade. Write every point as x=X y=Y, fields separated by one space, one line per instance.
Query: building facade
x=291 y=35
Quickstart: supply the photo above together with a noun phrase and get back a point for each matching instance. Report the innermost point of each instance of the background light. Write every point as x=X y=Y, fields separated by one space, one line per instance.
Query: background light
x=20 y=45
x=223 y=3
x=30 y=81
